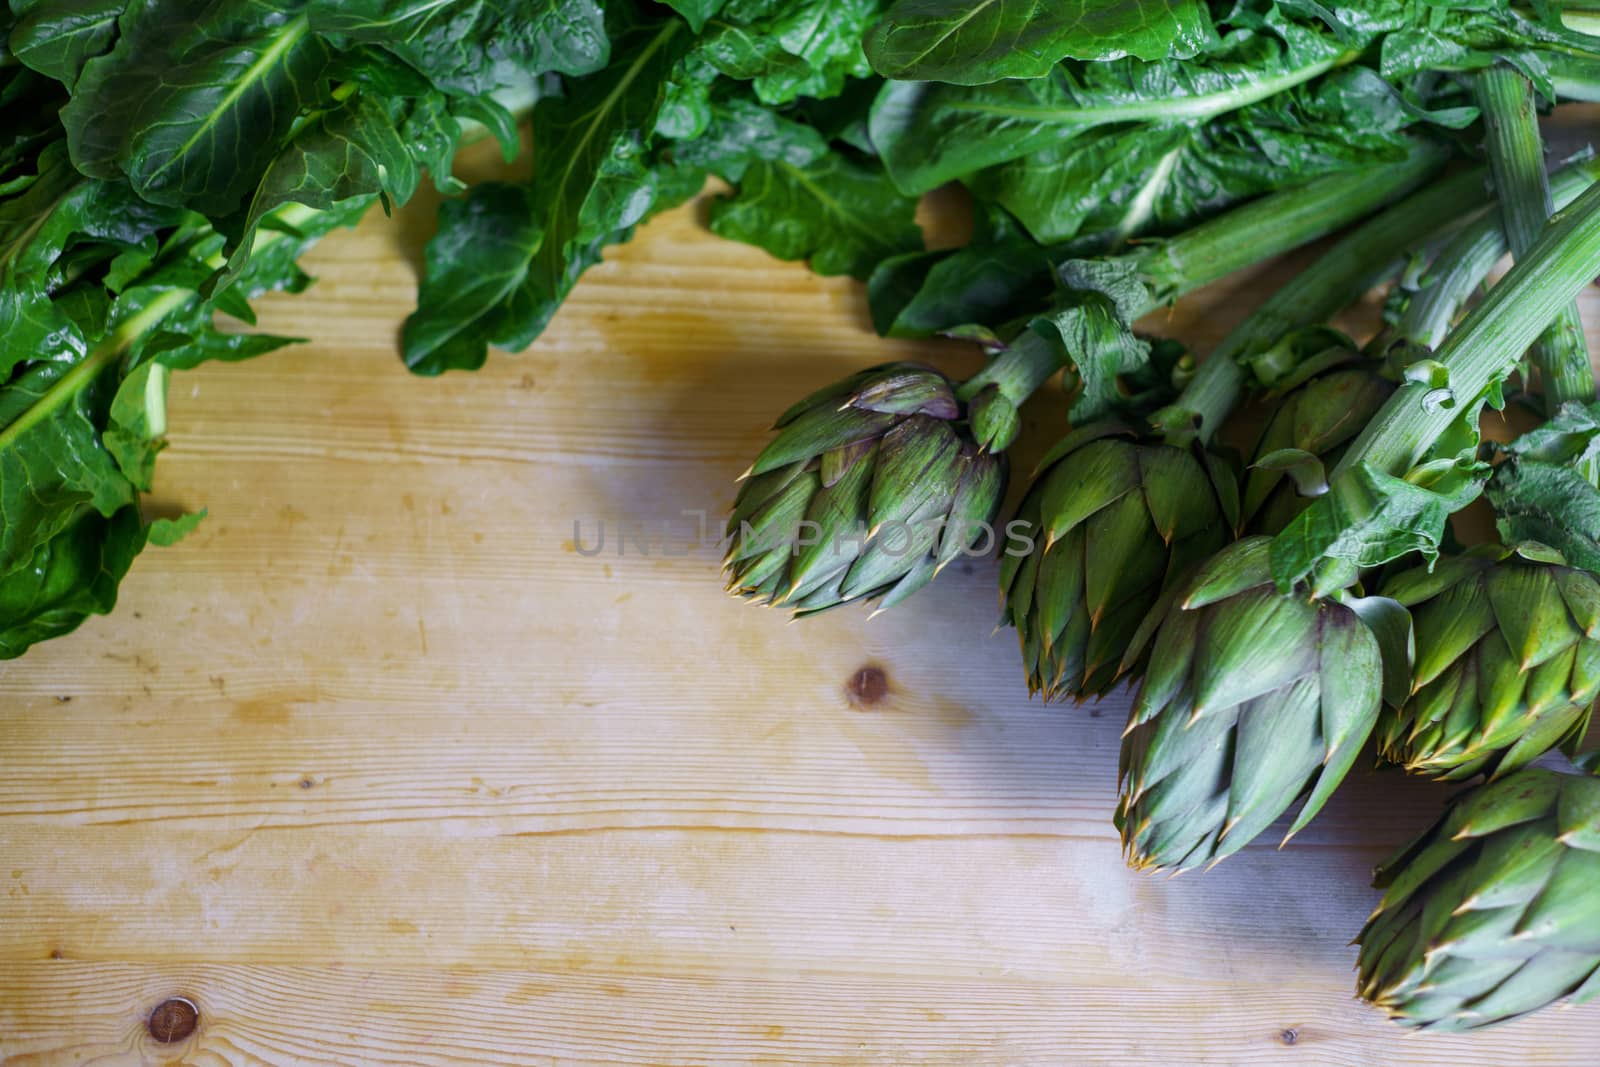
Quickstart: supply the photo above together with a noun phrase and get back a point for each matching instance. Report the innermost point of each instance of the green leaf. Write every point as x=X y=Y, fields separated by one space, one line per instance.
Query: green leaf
x=57 y=37
x=696 y=12
x=169 y=531
x=976 y=41
x=789 y=50
x=353 y=150
x=844 y=217
x=1099 y=347
x=1136 y=178
x=930 y=133
x=193 y=110
x=506 y=257
x=1369 y=518
x=67 y=578
x=138 y=419
x=1550 y=503
x=476 y=287
x=741 y=132
x=471 y=47
x=997 y=278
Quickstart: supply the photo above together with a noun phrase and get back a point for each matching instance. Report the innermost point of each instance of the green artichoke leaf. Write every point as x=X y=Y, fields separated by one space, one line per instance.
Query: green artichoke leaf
x=1304 y=468
x=1570 y=436
x=1566 y=913
x=1513 y=867
x=1530 y=612
x=1097 y=476
x=1391 y=626
x=1578 y=812
x=1264 y=643
x=1504 y=803
x=994 y=418
x=1242 y=565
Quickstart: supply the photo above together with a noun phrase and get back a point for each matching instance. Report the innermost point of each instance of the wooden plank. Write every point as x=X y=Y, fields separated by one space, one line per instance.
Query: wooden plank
x=377 y=768
x=254 y=1015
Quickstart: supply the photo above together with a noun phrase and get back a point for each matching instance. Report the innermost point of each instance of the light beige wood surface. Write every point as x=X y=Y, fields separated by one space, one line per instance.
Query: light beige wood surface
x=377 y=769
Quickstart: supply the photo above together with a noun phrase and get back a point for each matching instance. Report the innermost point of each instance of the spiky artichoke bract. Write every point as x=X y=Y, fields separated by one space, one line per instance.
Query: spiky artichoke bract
x=870 y=487
x=1493 y=912
x=1111 y=522
x=1316 y=420
x=1507 y=663
x=1252 y=699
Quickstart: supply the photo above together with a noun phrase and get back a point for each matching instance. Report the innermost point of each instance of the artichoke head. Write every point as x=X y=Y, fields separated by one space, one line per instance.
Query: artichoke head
x=1492 y=912
x=1109 y=522
x=1507 y=663
x=1252 y=699
x=1307 y=433
x=869 y=488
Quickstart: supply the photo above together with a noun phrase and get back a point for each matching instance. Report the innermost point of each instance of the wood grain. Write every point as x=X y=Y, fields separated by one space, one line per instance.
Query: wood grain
x=377 y=768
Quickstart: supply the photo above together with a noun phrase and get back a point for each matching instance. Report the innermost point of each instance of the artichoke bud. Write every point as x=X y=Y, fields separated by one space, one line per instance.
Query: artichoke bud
x=1491 y=913
x=1305 y=436
x=1252 y=699
x=994 y=419
x=870 y=486
x=1507 y=663
x=1112 y=520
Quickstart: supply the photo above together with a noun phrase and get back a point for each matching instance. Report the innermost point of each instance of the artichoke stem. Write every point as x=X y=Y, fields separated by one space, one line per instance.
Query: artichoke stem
x=1516 y=157
x=1025 y=365
x=1340 y=276
x=1484 y=348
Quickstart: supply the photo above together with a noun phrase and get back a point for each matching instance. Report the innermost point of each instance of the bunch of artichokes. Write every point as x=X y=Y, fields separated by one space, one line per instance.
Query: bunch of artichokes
x=1279 y=611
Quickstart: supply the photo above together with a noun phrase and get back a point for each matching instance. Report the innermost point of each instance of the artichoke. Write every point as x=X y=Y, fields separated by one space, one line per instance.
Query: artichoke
x=1305 y=435
x=1493 y=912
x=870 y=487
x=1507 y=663
x=1252 y=698
x=1109 y=522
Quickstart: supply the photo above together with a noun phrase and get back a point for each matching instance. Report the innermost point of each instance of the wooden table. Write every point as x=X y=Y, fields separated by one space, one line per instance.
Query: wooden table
x=377 y=769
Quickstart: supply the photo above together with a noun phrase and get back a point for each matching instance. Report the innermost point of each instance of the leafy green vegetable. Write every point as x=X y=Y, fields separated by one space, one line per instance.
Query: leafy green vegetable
x=57 y=39
x=998 y=277
x=930 y=133
x=500 y=266
x=167 y=531
x=1550 y=503
x=191 y=110
x=1128 y=180
x=67 y=578
x=844 y=217
x=975 y=41
x=472 y=47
